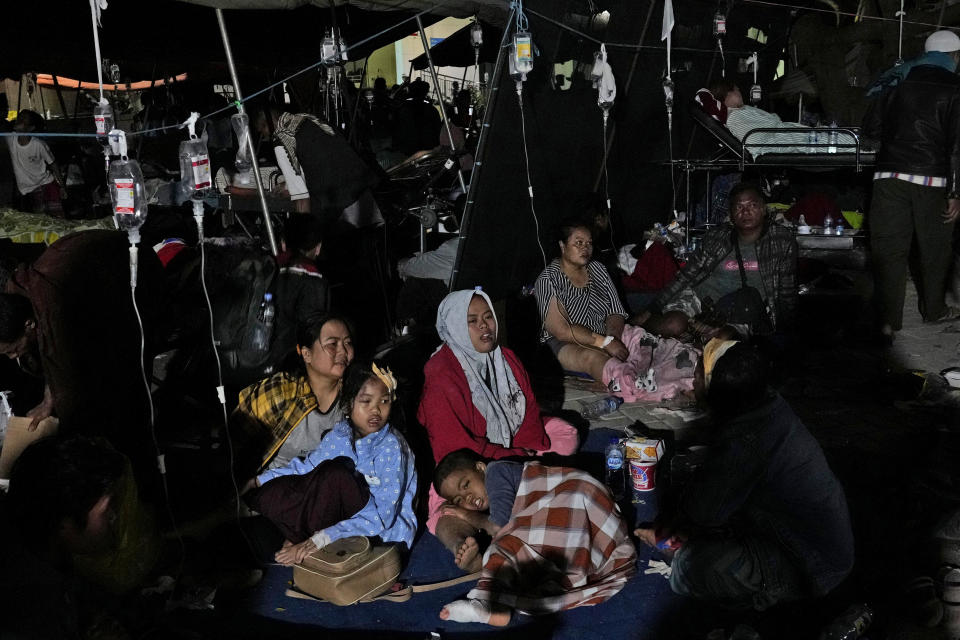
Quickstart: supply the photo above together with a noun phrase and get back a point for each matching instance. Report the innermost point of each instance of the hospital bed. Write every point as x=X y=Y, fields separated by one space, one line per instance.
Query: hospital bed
x=733 y=152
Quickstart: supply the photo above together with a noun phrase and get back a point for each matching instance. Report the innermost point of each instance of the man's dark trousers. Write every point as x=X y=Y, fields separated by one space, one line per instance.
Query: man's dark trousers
x=900 y=211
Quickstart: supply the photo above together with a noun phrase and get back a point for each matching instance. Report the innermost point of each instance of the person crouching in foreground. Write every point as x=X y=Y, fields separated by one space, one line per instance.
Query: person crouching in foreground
x=764 y=520
x=583 y=558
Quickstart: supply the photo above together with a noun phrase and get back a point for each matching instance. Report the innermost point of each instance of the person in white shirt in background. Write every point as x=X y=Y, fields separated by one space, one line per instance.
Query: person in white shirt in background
x=426 y=281
x=39 y=181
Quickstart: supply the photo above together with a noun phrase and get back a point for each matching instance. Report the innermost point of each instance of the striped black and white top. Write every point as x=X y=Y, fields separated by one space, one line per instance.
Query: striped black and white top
x=587 y=306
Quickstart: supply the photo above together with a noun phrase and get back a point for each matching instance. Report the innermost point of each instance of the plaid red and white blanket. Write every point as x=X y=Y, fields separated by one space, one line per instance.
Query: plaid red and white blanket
x=565 y=546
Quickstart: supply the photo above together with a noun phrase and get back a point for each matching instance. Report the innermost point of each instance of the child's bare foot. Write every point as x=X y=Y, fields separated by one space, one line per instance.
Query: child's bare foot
x=476 y=611
x=468 y=555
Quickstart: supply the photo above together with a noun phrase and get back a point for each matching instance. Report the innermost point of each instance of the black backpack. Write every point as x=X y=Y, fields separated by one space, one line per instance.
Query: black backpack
x=238 y=278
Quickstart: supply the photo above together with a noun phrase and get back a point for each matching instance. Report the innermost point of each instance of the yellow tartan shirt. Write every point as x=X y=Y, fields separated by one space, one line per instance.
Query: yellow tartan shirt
x=277 y=404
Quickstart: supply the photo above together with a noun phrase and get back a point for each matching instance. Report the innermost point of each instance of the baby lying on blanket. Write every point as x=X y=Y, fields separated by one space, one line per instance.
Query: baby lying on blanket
x=559 y=540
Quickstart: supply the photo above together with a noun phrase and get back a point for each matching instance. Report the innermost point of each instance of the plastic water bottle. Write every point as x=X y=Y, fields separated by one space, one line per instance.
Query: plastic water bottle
x=262 y=331
x=615 y=474
x=832 y=148
x=601 y=407
x=850 y=625
x=828 y=224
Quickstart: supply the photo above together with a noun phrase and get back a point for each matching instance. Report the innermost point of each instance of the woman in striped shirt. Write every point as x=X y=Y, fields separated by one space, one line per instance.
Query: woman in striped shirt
x=584 y=324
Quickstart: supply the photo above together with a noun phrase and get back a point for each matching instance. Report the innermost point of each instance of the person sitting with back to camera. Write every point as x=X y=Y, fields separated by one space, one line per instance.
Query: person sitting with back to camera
x=559 y=540
x=764 y=519
x=477 y=395
x=360 y=481
x=284 y=417
x=712 y=292
x=584 y=324
x=301 y=292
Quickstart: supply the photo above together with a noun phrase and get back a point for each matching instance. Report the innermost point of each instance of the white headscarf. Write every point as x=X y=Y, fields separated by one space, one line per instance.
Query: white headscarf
x=493 y=387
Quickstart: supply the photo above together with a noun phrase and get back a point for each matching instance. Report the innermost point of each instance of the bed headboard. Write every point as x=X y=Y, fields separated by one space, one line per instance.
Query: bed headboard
x=720 y=132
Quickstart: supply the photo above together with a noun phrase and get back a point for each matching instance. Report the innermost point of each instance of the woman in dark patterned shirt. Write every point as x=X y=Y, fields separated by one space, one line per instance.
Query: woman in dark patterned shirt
x=584 y=324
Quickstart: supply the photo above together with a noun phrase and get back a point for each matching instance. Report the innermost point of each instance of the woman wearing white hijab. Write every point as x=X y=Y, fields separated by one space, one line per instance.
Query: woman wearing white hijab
x=477 y=396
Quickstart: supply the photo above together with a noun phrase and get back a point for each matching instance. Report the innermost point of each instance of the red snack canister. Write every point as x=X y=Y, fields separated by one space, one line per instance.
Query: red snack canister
x=643 y=474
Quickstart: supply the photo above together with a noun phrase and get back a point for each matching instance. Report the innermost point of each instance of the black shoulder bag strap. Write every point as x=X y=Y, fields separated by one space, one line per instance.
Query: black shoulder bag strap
x=743 y=273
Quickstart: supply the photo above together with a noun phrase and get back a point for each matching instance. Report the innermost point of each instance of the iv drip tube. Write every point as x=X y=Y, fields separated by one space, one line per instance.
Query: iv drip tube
x=900 y=14
x=95 y=7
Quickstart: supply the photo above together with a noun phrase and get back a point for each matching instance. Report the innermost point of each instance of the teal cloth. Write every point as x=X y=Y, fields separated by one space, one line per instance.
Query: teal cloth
x=899 y=72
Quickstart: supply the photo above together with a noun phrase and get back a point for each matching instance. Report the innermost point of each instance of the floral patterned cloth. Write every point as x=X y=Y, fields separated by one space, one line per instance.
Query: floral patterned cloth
x=20 y=226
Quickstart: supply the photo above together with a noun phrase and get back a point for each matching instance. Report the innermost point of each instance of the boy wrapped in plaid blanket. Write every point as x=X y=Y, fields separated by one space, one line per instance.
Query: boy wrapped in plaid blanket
x=559 y=540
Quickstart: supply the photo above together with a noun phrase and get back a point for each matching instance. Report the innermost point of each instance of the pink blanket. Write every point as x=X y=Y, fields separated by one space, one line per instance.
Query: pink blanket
x=672 y=363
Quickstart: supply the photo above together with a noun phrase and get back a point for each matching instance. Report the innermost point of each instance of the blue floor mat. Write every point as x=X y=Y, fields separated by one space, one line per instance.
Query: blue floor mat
x=633 y=613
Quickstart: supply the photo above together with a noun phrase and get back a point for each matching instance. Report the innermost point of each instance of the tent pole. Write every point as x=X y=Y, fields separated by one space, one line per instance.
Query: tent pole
x=63 y=103
x=353 y=137
x=492 y=91
x=436 y=90
x=267 y=224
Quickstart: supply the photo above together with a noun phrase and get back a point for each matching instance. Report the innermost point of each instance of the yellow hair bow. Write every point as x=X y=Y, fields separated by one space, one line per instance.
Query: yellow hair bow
x=386 y=377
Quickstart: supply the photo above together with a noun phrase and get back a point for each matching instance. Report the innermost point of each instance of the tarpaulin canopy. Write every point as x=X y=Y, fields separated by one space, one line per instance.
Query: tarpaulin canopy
x=170 y=37
x=491 y=10
x=456 y=50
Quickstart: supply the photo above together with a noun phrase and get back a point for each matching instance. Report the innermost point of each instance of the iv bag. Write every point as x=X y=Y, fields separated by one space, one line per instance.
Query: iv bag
x=103 y=117
x=476 y=34
x=127 y=193
x=596 y=71
x=719 y=24
x=244 y=162
x=522 y=53
x=194 y=166
x=328 y=48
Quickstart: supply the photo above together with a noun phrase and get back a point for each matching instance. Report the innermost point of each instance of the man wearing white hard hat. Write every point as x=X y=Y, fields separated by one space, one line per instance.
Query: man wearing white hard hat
x=916 y=187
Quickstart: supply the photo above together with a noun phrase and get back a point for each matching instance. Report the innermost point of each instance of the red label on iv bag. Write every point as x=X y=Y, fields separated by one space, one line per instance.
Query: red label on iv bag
x=125 y=200
x=719 y=24
x=201 y=172
x=101 y=126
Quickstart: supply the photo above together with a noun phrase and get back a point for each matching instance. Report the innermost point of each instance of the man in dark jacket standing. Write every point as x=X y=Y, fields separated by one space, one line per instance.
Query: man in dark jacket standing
x=916 y=188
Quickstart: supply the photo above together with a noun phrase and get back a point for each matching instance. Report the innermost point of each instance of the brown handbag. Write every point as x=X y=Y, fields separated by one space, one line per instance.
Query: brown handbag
x=351 y=570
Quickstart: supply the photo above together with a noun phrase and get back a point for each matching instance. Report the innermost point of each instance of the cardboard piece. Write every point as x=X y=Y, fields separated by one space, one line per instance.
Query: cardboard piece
x=18 y=438
x=643 y=449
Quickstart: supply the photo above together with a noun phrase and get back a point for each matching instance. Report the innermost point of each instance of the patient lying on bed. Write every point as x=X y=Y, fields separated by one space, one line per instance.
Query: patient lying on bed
x=741 y=118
